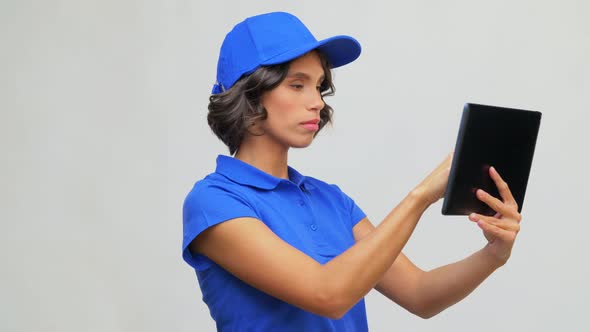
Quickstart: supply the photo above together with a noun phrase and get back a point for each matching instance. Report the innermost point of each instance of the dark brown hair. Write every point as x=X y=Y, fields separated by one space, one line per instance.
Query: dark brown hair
x=232 y=112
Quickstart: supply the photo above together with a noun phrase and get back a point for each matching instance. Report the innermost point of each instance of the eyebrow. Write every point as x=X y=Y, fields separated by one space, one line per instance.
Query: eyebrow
x=305 y=76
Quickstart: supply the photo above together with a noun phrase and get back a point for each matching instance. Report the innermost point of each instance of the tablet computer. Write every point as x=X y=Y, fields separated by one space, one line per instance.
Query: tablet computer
x=490 y=136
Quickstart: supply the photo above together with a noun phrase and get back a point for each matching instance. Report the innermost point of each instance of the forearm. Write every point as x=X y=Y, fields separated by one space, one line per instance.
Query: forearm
x=351 y=275
x=442 y=287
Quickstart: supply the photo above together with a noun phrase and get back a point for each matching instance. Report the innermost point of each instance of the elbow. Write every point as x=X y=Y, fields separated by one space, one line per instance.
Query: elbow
x=423 y=305
x=424 y=312
x=330 y=305
x=333 y=296
x=426 y=315
x=335 y=315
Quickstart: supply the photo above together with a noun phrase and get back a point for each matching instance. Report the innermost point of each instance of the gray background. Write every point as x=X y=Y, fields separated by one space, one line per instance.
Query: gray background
x=103 y=132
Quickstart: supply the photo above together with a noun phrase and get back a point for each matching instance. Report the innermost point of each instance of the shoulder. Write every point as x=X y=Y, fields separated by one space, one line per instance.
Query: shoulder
x=211 y=201
x=215 y=192
x=332 y=192
x=320 y=184
x=325 y=187
x=214 y=185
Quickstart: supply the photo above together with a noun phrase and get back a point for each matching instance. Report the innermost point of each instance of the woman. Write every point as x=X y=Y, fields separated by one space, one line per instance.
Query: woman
x=275 y=250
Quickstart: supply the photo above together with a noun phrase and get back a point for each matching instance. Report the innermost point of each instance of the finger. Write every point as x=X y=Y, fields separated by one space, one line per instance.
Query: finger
x=508 y=225
x=446 y=163
x=496 y=204
x=496 y=231
x=512 y=211
x=503 y=188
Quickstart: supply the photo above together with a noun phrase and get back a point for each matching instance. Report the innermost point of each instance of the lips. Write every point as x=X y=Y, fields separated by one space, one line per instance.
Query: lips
x=314 y=121
x=311 y=125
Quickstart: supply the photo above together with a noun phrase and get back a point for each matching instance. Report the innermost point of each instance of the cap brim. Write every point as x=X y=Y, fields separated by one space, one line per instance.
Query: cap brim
x=339 y=50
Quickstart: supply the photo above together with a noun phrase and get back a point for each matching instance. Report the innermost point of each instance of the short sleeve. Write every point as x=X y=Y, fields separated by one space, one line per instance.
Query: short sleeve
x=355 y=212
x=205 y=206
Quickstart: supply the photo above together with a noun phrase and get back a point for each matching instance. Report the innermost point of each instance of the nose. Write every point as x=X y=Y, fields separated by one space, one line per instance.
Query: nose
x=316 y=102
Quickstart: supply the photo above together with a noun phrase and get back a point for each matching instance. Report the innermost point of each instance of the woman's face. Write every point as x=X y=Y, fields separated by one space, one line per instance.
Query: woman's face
x=294 y=106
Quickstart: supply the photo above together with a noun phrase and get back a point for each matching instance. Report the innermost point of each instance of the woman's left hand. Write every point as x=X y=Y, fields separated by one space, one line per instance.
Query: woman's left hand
x=501 y=229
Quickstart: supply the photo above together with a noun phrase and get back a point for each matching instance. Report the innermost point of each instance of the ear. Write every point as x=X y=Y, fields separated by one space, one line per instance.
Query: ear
x=255 y=129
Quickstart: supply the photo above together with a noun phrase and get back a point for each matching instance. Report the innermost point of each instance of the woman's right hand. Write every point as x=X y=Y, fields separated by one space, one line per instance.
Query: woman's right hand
x=434 y=185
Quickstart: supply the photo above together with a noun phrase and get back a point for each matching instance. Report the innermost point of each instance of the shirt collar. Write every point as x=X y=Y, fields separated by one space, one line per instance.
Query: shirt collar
x=246 y=174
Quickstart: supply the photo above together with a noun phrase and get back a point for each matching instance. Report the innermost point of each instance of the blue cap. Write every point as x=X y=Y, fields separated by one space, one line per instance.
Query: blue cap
x=274 y=38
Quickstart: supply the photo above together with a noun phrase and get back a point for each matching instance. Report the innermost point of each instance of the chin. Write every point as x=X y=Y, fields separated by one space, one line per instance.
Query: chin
x=301 y=143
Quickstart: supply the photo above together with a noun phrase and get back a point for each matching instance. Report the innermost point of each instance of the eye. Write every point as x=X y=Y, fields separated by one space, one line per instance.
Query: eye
x=297 y=86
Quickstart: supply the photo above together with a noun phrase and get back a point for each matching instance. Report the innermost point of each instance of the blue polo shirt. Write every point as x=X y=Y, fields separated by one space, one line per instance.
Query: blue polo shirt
x=315 y=217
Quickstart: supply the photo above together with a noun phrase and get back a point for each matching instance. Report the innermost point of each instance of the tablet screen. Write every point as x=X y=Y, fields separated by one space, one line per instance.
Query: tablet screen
x=490 y=136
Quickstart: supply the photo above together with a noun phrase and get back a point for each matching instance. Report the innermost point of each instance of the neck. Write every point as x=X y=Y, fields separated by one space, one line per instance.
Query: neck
x=265 y=155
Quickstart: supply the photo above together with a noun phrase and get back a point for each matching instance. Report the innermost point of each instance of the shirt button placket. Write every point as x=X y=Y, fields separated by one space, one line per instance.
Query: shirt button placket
x=312 y=226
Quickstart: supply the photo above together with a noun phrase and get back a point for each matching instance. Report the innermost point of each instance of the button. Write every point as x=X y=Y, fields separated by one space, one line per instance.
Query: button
x=303 y=189
x=301 y=202
x=314 y=227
